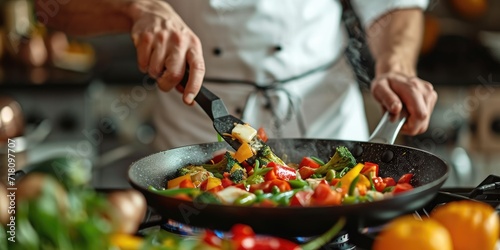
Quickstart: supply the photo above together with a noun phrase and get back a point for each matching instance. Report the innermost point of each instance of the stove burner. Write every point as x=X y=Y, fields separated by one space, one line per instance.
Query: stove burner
x=341 y=242
x=487 y=191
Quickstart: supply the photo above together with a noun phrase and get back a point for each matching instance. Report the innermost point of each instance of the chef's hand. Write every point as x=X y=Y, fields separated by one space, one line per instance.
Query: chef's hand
x=164 y=45
x=396 y=87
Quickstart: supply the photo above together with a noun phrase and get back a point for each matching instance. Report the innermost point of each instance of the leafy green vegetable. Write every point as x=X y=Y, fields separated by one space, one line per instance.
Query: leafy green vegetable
x=43 y=224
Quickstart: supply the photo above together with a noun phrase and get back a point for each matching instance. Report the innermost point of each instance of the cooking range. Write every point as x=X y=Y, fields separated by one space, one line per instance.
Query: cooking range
x=361 y=235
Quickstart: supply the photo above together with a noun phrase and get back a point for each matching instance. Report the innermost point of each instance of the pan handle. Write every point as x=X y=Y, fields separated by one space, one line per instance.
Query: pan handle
x=387 y=130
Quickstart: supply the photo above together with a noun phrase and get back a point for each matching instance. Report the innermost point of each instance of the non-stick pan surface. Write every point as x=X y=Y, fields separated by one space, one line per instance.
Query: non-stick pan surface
x=429 y=171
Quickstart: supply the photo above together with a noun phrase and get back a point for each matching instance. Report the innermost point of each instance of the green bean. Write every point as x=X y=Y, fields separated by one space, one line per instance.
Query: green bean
x=245 y=200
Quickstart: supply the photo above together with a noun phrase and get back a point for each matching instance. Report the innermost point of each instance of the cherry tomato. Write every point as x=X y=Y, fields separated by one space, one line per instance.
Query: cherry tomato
x=309 y=162
x=406 y=178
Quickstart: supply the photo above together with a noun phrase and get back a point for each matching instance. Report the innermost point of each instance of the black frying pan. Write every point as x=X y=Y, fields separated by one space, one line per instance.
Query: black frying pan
x=429 y=171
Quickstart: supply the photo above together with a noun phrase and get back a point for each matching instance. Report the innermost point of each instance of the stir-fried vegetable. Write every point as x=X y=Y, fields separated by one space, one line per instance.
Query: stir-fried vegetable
x=340 y=160
x=271 y=182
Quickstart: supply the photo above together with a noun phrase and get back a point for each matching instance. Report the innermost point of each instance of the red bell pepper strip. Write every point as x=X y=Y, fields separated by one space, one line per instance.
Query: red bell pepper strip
x=306 y=172
x=389 y=181
x=402 y=187
x=282 y=185
x=379 y=184
x=309 y=162
x=324 y=195
x=282 y=172
x=261 y=133
x=301 y=198
x=370 y=169
x=406 y=178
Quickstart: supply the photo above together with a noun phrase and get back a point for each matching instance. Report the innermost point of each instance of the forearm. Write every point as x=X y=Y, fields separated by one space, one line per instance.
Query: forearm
x=395 y=40
x=85 y=17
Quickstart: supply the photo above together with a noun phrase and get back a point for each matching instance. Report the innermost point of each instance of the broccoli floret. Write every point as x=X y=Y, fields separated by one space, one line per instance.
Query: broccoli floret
x=340 y=160
x=258 y=174
x=225 y=165
x=237 y=174
x=266 y=155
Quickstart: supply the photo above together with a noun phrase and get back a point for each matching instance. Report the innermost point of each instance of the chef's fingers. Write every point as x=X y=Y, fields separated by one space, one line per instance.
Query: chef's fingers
x=158 y=54
x=383 y=93
x=194 y=57
x=430 y=97
x=419 y=99
x=413 y=93
x=144 y=44
x=174 y=63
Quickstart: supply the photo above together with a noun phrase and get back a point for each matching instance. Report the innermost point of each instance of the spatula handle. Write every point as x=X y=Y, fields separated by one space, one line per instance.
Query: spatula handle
x=208 y=101
x=387 y=130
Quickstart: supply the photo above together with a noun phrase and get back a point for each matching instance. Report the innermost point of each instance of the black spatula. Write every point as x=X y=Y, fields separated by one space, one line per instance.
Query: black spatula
x=217 y=111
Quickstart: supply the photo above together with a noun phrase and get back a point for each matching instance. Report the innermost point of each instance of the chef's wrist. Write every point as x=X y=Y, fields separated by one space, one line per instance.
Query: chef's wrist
x=400 y=63
x=135 y=9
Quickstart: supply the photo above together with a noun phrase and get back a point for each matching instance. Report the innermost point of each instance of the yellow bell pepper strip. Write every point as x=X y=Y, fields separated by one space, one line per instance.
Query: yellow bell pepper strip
x=243 y=153
x=347 y=179
x=175 y=183
x=210 y=182
x=363 y=180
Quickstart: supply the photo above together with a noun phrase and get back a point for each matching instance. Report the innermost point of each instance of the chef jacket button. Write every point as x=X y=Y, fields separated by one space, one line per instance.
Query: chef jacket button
x=278 y=48
x=217 y=51
x=238 y=111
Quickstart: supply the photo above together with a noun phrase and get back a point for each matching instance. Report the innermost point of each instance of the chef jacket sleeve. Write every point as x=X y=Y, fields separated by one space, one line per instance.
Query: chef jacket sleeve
x=370 y=10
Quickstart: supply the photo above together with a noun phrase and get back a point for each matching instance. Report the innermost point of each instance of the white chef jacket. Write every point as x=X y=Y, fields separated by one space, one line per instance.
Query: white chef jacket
x=258 y=48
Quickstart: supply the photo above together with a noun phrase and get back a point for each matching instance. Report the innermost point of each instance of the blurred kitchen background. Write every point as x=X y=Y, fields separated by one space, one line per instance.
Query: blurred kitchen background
x=62 y=95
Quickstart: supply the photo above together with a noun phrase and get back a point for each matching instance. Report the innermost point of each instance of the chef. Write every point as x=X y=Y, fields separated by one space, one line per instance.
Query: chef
x=279 y=65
